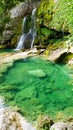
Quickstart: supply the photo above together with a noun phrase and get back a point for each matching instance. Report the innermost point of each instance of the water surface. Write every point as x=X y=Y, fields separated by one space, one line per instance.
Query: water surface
x=37 y=87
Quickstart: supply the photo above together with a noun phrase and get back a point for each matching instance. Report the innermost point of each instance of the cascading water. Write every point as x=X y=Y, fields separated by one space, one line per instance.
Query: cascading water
x=24 y=25
x=27 y=39
x=20 y=43
x=22 y=38
x=33 y=26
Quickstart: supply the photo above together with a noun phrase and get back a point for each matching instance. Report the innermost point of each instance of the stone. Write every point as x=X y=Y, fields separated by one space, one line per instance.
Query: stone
x=61 y=126
x=12 y=120
x=22 y=9
x=44 y=122
x=7 y=35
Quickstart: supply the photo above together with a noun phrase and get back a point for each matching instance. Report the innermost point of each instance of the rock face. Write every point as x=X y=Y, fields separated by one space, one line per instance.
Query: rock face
x=61 y=126
x=22 y=9
x=7 y=35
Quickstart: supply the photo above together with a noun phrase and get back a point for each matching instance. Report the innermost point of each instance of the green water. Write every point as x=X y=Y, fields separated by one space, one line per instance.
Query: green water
x=6 y=50
x=37 y=87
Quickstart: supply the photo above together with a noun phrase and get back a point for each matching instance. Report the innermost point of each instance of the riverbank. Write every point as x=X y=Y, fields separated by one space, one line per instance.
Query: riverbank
x=53 y=56
x=8 y=57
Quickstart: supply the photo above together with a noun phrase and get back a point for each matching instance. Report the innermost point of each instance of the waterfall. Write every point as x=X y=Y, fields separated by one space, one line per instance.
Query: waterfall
x=27 y=39
x=21 y=41
x=24 y=25
x=33 y=18
x=22 y=38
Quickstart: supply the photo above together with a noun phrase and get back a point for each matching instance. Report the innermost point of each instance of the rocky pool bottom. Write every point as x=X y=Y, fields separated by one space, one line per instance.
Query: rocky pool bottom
x=37 y=86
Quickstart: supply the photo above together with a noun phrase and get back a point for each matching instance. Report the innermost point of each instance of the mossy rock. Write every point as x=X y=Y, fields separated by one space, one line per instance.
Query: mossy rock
x=68 y=112
x=44 y=122
x=9 y=64
x=64 y=58
x=3 y=68
x=54 y=45
x=2 y=46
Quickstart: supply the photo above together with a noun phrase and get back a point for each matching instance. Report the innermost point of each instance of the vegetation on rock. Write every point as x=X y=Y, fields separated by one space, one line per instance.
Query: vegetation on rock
x=54 y=20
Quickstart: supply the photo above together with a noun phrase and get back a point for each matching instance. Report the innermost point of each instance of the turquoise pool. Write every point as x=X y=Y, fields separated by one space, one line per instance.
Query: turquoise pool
x=37 y=86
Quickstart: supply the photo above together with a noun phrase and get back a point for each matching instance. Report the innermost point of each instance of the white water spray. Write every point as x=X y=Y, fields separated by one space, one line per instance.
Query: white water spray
x=30 y=36
x=22 y=38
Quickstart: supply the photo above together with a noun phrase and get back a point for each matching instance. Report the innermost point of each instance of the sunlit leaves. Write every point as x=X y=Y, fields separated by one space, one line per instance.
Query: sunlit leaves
x=63 y=15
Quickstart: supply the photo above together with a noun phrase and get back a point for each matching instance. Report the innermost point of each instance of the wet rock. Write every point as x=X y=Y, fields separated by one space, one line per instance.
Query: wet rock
x=61 y=126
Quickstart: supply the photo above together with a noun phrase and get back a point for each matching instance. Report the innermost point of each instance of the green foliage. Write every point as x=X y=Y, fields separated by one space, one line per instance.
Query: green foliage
x=44 y=12
x=46 y=32
x=56 y=16
x=44 y=16
x=5 y=6
x=63 y=16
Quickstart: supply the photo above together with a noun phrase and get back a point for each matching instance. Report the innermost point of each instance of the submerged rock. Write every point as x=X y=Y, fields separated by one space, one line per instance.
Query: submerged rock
x=37 y=73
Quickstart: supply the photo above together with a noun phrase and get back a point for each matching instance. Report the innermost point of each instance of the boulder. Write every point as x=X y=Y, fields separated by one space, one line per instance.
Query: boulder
x=61 y=126
x=12 y=120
